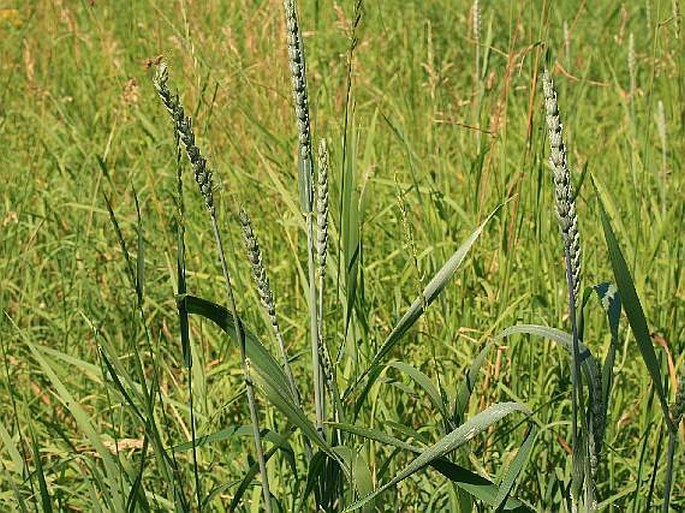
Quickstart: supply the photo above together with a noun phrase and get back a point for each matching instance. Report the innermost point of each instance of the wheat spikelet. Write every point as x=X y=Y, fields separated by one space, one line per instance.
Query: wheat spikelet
x=563 y=187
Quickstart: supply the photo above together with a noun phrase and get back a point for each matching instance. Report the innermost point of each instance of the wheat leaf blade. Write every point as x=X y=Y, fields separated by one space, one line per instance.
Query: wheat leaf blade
x=450 y=442
x=269 y=374
x=432 y=290
x=633 y=309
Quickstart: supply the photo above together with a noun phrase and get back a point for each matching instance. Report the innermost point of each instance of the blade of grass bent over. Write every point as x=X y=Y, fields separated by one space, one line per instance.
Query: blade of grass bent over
x=478 y=486
x=269 y=374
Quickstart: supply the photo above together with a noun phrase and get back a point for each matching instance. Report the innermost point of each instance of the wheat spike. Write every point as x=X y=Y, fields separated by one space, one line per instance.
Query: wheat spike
x=322 y=206
x=184 y=127
x=266 y=296
x=563 y=188
x=301 y=100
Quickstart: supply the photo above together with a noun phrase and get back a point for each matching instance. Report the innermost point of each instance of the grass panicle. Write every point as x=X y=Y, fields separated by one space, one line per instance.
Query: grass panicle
x=476 y=29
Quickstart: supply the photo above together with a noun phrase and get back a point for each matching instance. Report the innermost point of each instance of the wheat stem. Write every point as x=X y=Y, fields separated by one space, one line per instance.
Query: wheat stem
x=306 y=188
x=568 y=224
x=203 y=177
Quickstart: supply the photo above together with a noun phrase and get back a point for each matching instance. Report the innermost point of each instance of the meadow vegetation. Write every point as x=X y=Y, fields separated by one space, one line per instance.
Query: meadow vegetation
x=230 y=285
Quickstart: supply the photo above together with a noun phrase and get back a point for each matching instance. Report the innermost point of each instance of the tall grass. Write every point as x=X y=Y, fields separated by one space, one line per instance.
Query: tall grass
x=347 y=357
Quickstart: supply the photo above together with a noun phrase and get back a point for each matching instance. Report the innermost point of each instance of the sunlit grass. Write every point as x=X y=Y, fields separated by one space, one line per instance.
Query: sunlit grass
x=79 y=119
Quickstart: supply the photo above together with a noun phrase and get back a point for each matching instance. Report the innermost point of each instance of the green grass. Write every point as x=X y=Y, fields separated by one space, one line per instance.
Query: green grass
x=91 y=349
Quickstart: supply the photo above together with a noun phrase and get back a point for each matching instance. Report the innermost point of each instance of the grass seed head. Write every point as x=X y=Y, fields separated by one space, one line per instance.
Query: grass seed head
x=184 y=127
x=301 y=99
x=254 y=255
x=322 y=205
x=563 y=187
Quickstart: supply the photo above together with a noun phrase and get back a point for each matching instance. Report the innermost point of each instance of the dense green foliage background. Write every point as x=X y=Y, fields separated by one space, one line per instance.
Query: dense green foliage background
x=79 y=118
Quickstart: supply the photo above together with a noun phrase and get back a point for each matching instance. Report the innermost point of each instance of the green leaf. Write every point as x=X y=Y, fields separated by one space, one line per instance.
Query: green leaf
x=45 y=499
x=633 y=309
x=120 y=386
x=269 y=376
x=466 y=386
x=477 y=486
x=516 y=467
x=432 y=290
x=448 y=443
x=424 y=382
x=361 y=475
x=182 y=310
x=15 y=456
x=587 y=361
x=610 y=299
x=436 y=285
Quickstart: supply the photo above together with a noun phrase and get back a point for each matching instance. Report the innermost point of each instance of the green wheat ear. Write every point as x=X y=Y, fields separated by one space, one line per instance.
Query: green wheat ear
x=301 y=99
x=184 y=129
x=322 y=206
x=678 y=408
x=266 y=296
x=563 y=187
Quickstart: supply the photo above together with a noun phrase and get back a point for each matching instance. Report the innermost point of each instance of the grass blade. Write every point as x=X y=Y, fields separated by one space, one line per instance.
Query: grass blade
x=633 y=310
x=432 y=290
x=587 y=361
x=45 y=499
x=269 y=374
x=447 y=444
x=516 y=467
x=478 y=486
x=466 y=386
x=424 y=382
